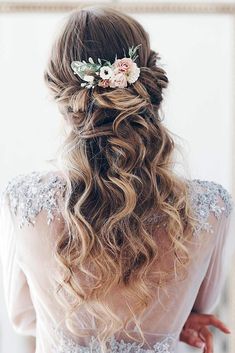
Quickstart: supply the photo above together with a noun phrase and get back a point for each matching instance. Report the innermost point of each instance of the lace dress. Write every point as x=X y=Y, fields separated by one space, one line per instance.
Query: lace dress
x=30 y=221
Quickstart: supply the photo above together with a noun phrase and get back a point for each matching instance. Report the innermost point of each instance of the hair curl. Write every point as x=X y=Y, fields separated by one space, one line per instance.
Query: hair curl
x=117 y=161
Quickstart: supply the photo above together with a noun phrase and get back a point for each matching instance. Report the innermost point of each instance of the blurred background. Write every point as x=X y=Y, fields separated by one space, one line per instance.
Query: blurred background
x=196 y=41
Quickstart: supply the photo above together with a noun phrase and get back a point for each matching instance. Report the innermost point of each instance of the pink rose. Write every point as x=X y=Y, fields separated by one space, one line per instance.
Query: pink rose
x=118 y=80
x=103 y=83
x=124 y=64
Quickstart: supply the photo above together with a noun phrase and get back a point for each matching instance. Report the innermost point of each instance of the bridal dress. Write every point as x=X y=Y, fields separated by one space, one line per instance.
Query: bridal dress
x=30 y=221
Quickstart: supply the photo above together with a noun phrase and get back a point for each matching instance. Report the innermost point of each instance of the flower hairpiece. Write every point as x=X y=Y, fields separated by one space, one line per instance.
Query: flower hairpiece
x=117 y=74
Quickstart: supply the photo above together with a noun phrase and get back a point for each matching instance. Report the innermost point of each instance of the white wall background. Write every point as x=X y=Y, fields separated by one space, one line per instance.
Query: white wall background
x=197 y=54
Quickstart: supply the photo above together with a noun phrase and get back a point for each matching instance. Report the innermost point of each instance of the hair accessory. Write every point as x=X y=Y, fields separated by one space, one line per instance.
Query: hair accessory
x=118 y=74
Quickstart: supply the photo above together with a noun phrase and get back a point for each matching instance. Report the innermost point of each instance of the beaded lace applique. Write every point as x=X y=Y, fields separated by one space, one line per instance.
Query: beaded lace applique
x=68 y=345
x=30 y=194
x=205 y=199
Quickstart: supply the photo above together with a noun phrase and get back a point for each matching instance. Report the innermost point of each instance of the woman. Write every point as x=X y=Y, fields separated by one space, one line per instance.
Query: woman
x=113 y=250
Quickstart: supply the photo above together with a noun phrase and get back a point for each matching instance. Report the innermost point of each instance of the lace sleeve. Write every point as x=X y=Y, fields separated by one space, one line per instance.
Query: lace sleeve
x=19 y=305
x=219 y=264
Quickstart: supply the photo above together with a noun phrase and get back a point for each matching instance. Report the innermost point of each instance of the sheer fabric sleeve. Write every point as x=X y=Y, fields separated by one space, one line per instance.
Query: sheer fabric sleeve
x=19 y=305
x=219 y=265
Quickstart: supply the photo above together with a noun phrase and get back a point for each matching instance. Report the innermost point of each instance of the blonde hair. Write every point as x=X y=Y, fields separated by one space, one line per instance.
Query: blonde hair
x=117 y=161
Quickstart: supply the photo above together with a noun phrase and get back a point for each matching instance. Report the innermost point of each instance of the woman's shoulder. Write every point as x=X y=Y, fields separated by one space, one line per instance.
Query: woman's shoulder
x=209 y=198
x=29 y=194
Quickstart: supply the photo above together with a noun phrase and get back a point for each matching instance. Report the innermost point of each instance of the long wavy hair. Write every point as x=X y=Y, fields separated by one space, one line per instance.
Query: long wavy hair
x=118 y=165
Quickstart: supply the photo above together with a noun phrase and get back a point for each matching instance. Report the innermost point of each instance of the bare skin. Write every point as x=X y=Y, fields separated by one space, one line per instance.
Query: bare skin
x=196 y=333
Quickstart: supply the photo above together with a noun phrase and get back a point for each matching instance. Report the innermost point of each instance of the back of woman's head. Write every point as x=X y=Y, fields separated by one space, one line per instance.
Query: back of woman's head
x=102 y=33
x=117 y=160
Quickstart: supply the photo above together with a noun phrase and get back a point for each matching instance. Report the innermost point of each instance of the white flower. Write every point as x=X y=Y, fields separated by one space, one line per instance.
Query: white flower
x=106 y=72
x=134 y=74
x=89 y=78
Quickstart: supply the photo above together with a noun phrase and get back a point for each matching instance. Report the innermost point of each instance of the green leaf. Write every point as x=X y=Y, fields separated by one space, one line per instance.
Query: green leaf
x=132 y=52
x=91 y=60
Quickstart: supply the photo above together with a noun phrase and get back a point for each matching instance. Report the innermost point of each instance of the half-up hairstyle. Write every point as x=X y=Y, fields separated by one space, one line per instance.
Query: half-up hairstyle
x=117 y=161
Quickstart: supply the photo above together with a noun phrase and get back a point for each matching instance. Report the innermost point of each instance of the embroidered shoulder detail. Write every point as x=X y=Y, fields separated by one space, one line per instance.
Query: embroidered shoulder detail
x=205 y=199
x=32 y=193
x=68 y=345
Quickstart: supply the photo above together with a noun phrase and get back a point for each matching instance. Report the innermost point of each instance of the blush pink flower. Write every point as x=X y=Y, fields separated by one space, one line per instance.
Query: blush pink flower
x=103 y=83
x=118 y=80
x=124 y=64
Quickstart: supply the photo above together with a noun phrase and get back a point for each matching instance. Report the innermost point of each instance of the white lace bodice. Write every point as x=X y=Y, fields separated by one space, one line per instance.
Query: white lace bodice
x=28 y=227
